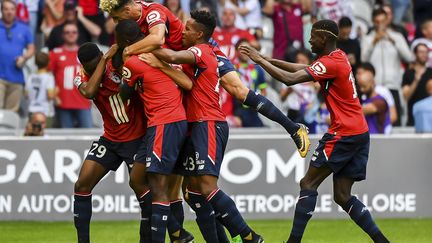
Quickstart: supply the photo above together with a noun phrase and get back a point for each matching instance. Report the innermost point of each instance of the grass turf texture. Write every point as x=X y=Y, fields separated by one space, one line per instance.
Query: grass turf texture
x=273 y=231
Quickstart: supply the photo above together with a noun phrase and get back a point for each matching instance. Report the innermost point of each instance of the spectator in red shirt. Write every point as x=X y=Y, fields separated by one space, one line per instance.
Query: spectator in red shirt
x=288 y=26
x=72 y=108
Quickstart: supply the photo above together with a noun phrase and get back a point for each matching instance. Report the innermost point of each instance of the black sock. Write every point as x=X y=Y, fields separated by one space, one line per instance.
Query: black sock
x=159 y=221
x=177 y=211
x=205 y=217
x=230 y=216
x=145 y=201
x=223 y=238
x=267 y=109
x=82 y=216
x=303 y=212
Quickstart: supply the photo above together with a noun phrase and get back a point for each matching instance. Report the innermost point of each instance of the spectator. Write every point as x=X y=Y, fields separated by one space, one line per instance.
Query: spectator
x=228 y=35
x=40 y=87
x=423 y=112
x=422 y=11
x=379 y=89
x=231 y=4
x=400 y=8
x=333 y=10
x=72 y=108
x=73 y=14
x=415 y=80
x=90 y=11
x=374 y=106
x=250 y=10
x=288 y=26
x=300 y=96
x=392 y=23
x=210 y=5
x=176 y=7
x=253 y=77
x=350 y=46
x=33 y=8
x=53 y=13
x=384 y=49
x=15 y=37
x=426 y=29
x=36 y=125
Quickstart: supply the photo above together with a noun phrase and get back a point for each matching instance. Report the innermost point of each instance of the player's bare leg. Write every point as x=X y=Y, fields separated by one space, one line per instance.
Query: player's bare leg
x=225 y=206
x=307 y=200
x=176 y=231
x=299 y=133
x=356 y=209
x=90 y=174
x=138 y=182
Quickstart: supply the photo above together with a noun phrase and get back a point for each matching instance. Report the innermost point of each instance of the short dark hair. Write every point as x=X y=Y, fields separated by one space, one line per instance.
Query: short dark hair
x=128 y=30
x=10 y=1
x=329 y=27
x=305 y=52
x=425 y=22
x=378 y=11
x=88 y=52
x=207 y=20
x=418 y=45
x=367 y=66
x=41 y=60
x=345 y=22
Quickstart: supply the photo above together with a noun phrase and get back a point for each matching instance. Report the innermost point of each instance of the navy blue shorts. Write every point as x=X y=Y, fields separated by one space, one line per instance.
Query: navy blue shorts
x=346 y=156
x=225 y=66
x=161 y=147
x=203 y=150
x=111 y=154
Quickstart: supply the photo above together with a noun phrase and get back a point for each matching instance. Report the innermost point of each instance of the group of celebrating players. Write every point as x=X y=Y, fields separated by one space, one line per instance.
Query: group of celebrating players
x=157 y=89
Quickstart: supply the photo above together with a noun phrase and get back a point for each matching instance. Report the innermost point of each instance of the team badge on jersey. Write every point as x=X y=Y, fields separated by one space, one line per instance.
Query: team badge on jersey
x=196 y=50
x=152 y=17
x=127 y=74
x=318 y=68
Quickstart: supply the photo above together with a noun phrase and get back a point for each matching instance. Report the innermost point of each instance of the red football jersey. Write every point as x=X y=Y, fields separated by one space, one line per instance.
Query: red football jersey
x=155 y=13
x=122 y=120
x=227 y=38
x=202 y=102
x=64 y=65
x=334 y=74
x=163 y=99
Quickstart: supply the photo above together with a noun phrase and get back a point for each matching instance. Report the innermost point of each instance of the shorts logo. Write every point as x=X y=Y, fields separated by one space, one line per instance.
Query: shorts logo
x=195 y=50
x=152 y=17
x=164 y=218
x=200 y=167
x=318 y=68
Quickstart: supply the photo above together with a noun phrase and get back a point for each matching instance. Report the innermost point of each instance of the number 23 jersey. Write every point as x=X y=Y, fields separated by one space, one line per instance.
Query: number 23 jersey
x=334 y=74
x=122 y=120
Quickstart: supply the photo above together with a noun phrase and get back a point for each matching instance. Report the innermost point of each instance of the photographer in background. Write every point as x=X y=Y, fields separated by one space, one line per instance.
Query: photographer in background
x=36 y=125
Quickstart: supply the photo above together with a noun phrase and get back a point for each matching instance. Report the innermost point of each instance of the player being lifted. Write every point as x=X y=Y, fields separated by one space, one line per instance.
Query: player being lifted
x=162 y=27
x=344 y=149
x=124 y=126
x=209 y=130
x=166 y=132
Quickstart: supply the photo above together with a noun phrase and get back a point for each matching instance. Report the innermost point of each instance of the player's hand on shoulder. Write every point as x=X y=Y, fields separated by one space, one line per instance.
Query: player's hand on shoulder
x=151 y=60
x=110 y=53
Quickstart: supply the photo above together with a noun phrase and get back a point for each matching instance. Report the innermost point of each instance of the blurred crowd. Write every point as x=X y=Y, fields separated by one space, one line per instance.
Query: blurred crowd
x=388 y=44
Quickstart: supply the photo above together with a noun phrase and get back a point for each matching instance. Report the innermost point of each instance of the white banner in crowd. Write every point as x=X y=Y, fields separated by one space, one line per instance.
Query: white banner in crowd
x=260 y=171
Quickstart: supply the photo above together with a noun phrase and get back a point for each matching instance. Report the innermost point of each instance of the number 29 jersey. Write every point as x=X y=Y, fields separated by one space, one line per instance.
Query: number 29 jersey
x=334 y=74
x=122 y=120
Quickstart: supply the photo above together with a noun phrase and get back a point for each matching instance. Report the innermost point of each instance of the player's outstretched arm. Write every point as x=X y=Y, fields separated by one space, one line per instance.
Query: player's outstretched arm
x=287 y=66
x=90 y=88
x=154 y=40
x=288 y=78
x=177 y=75
x=175 y=57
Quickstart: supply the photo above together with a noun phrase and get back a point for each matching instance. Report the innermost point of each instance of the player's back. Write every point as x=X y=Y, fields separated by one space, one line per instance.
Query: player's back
x=122 y=120
x=335 y=76
x=163 y=99
x=202 y=102
x=155 y=13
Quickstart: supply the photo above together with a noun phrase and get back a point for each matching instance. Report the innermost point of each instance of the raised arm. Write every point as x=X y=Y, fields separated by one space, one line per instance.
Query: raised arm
x=175 y=57
x=288 y=78
x=177 y=75
x=152 y=41
x=91 y=27
x=90 y=88
x=287 y=66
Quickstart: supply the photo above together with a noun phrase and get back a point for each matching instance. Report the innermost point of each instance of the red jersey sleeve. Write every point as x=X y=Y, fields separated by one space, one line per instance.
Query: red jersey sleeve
x=198 y=55
x=322 y=69
x=155 y=16
x=80 y=78
x=132 y=71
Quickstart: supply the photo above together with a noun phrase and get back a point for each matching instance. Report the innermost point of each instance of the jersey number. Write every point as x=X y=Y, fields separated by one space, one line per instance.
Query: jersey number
x=352 y=79
x=189 y=164
x=118 y=109
x=99 y=149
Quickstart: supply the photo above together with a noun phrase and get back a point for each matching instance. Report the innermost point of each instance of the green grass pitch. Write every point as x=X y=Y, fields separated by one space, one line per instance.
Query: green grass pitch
x=274 y=231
